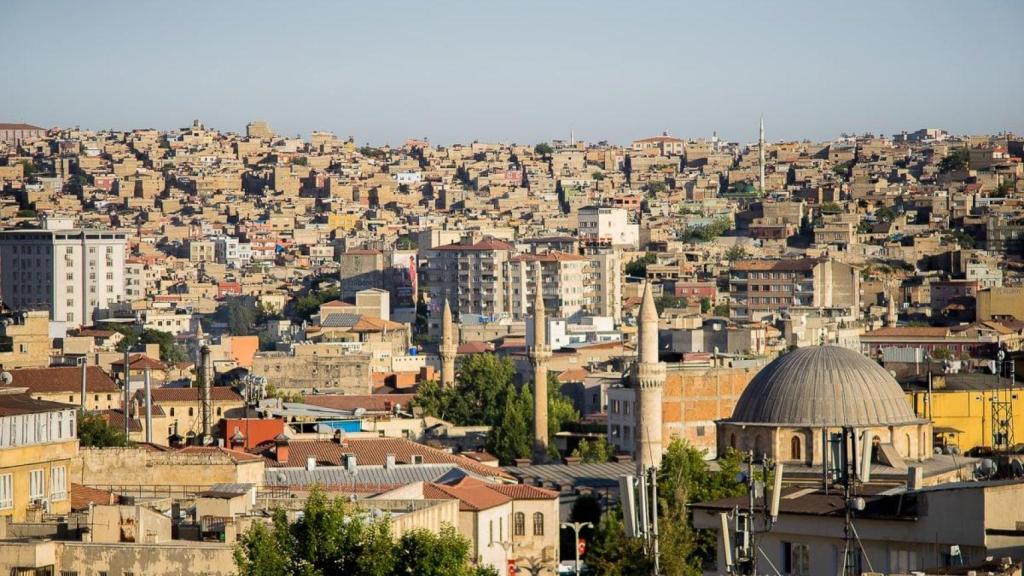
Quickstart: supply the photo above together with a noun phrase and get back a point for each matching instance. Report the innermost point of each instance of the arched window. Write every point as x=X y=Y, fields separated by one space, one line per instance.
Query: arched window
x=909 y=451
x=732 y=440
x=172 y=411
x=218 y=410
x=519 y=524
x=189 y=410
x=538 y=524
x=875 y=443
x=794 y=448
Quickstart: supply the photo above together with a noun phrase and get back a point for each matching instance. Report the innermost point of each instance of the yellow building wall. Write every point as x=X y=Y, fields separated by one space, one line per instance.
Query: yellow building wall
x=969 y=411
x=20 y=461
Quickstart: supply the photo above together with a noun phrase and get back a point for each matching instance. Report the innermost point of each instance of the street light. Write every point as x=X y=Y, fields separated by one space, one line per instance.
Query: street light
x=576 y=527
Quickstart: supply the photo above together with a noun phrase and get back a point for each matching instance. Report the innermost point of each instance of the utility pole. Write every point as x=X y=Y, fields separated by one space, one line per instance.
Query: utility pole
x=84 y=361
x=576 y=527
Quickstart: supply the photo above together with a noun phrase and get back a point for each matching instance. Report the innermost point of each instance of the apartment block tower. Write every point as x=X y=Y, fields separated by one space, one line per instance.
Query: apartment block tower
x=70 y=272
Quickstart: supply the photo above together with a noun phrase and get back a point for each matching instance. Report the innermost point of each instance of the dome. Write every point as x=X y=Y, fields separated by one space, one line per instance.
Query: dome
x=823 y=386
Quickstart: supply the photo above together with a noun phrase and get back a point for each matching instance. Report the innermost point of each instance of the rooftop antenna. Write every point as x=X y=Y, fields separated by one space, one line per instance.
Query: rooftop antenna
x=758 y=517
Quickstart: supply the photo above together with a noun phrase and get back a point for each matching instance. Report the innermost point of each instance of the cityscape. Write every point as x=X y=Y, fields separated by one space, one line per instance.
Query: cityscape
x=255 y=347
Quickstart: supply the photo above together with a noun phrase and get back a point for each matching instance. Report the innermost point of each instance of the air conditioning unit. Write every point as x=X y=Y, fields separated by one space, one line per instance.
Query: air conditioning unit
x=42 y=504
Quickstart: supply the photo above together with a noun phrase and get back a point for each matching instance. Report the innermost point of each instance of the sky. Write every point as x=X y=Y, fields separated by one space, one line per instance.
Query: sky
x=525 y=71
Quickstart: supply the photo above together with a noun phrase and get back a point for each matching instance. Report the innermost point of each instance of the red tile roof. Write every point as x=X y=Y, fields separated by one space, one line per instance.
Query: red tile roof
x=83 y=496
x=62 y=379
x=471 y=493
x=217 y=394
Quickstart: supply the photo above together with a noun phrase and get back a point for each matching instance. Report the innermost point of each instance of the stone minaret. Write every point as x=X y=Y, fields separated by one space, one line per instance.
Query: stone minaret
x=448 y=347
x=650 y=379
x=891 y=315
x=760 y=146
x=540 y=353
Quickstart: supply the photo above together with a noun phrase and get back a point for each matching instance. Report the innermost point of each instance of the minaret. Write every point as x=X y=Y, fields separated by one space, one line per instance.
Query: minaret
x=448 y=347
x=650 y=379
x=891 y=316
x=760 y=150
x=540 y=352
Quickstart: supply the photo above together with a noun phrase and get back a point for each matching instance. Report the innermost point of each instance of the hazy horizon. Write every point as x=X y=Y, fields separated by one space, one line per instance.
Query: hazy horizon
x=526 y=72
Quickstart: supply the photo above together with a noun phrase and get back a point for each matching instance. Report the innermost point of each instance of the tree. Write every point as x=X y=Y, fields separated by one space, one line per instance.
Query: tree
x=593 y=451
x=736 y=252
x=684 y=478
x=242 y=315
x=708 y=232
x=300 y=161
x=170 y=351
x=720 y=310
x=511 y=437
x=257 y=553
x=94 y=430
x=597 y=175
x=543 y=149
x=669 y=301
x=705 y=305
x=637 y=268
x=957 y=161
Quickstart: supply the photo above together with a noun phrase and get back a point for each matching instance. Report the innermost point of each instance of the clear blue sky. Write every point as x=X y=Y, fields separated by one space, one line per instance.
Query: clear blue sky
x=522 y=71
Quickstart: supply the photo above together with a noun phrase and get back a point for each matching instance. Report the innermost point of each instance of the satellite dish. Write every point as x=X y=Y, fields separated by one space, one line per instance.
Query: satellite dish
x=281 y=477
x=359 y=412
x=6 y=378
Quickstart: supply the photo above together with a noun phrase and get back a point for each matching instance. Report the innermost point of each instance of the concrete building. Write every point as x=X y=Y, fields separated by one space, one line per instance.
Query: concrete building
x=361 y=270
x=470 y=276
x=608 y=226
x=760 y=288
x=73 y=273
x=26 y=341
x=562 y=280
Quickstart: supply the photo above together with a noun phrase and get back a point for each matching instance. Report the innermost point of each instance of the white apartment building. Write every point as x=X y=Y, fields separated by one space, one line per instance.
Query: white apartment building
x=231 y=251
x=72 y=272
x=606 y=225
x=603 y=284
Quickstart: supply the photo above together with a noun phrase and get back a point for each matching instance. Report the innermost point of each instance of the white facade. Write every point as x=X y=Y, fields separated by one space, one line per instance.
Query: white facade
x=608 y=225
x=71 y=273
x=231 y=251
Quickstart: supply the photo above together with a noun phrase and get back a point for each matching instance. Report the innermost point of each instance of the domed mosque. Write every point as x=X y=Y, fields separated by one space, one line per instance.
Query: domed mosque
x=794 y=402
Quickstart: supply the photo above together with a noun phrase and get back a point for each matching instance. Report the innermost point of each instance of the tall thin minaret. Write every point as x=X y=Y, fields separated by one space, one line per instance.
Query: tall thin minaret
x=540 y=353
x=760 y=150
x=448 y=347
x=650 y=379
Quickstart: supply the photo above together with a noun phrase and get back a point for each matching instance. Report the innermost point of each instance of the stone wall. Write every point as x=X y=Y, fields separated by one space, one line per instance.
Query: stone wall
x=138 y=466
x=170 y=559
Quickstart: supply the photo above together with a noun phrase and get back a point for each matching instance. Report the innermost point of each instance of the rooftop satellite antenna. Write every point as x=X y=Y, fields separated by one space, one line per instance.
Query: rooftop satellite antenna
x=6 y=378
x=359 y=412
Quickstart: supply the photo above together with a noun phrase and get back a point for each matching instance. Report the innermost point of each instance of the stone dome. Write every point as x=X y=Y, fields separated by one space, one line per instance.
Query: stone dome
x=823 y=386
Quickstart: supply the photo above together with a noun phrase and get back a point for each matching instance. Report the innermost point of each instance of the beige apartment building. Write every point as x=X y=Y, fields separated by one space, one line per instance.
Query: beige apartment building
x=759 y=288
x=563 y=277
x=607 y=226
x=70 y=272
x=470 y=276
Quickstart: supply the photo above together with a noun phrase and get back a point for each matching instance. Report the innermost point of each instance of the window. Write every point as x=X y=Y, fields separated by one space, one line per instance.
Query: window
x=490 y=533
x=796 y=559
x=519 y=524
x=58 y=485
x=794 y=448
x=172 y=411
x=6 y=491
x=190 y=411
x=538 y=524
x=36 y=485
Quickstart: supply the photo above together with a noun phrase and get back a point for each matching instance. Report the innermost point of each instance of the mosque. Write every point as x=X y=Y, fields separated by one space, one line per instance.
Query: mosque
x=803 y=397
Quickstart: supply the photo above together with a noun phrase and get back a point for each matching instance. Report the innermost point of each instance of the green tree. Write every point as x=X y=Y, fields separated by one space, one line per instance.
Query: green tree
x=637 y=268
x=257 y=553
x=543 y=149
x=612 y=553
x=593 y=451
x=705 y=305
x=300 y=161
x=597 y=175
x=170 y=351
x=736 y=252
x=957 y=161
x=424 y=553
x=721 y=310
x=669 y=301
x=242 y=315
x=94 y=430
x=511 y=437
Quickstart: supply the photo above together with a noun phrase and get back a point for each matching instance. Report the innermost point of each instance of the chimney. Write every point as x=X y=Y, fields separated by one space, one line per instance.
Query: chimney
x=915 y=478
x=281 y=448
x=350 y=462
x=389 y=462
x=337 y=436
x=311 y=463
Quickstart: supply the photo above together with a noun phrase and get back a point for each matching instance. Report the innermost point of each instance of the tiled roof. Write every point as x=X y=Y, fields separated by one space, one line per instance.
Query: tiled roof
x=83 y=496
x=116 y=419
x=7 y=126
x=471 y=493
x=217 y=394
x=235 y=455
x=62 y=379
x=524 y=492
x=139 y=362
x=374 y=452
x=15 y=404
x=790 y=265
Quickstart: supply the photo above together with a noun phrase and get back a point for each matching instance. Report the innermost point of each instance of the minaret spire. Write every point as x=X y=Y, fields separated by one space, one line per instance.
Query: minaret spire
x=760 y=147
x=448 y=347
x=650 y=379
x=540 y=352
